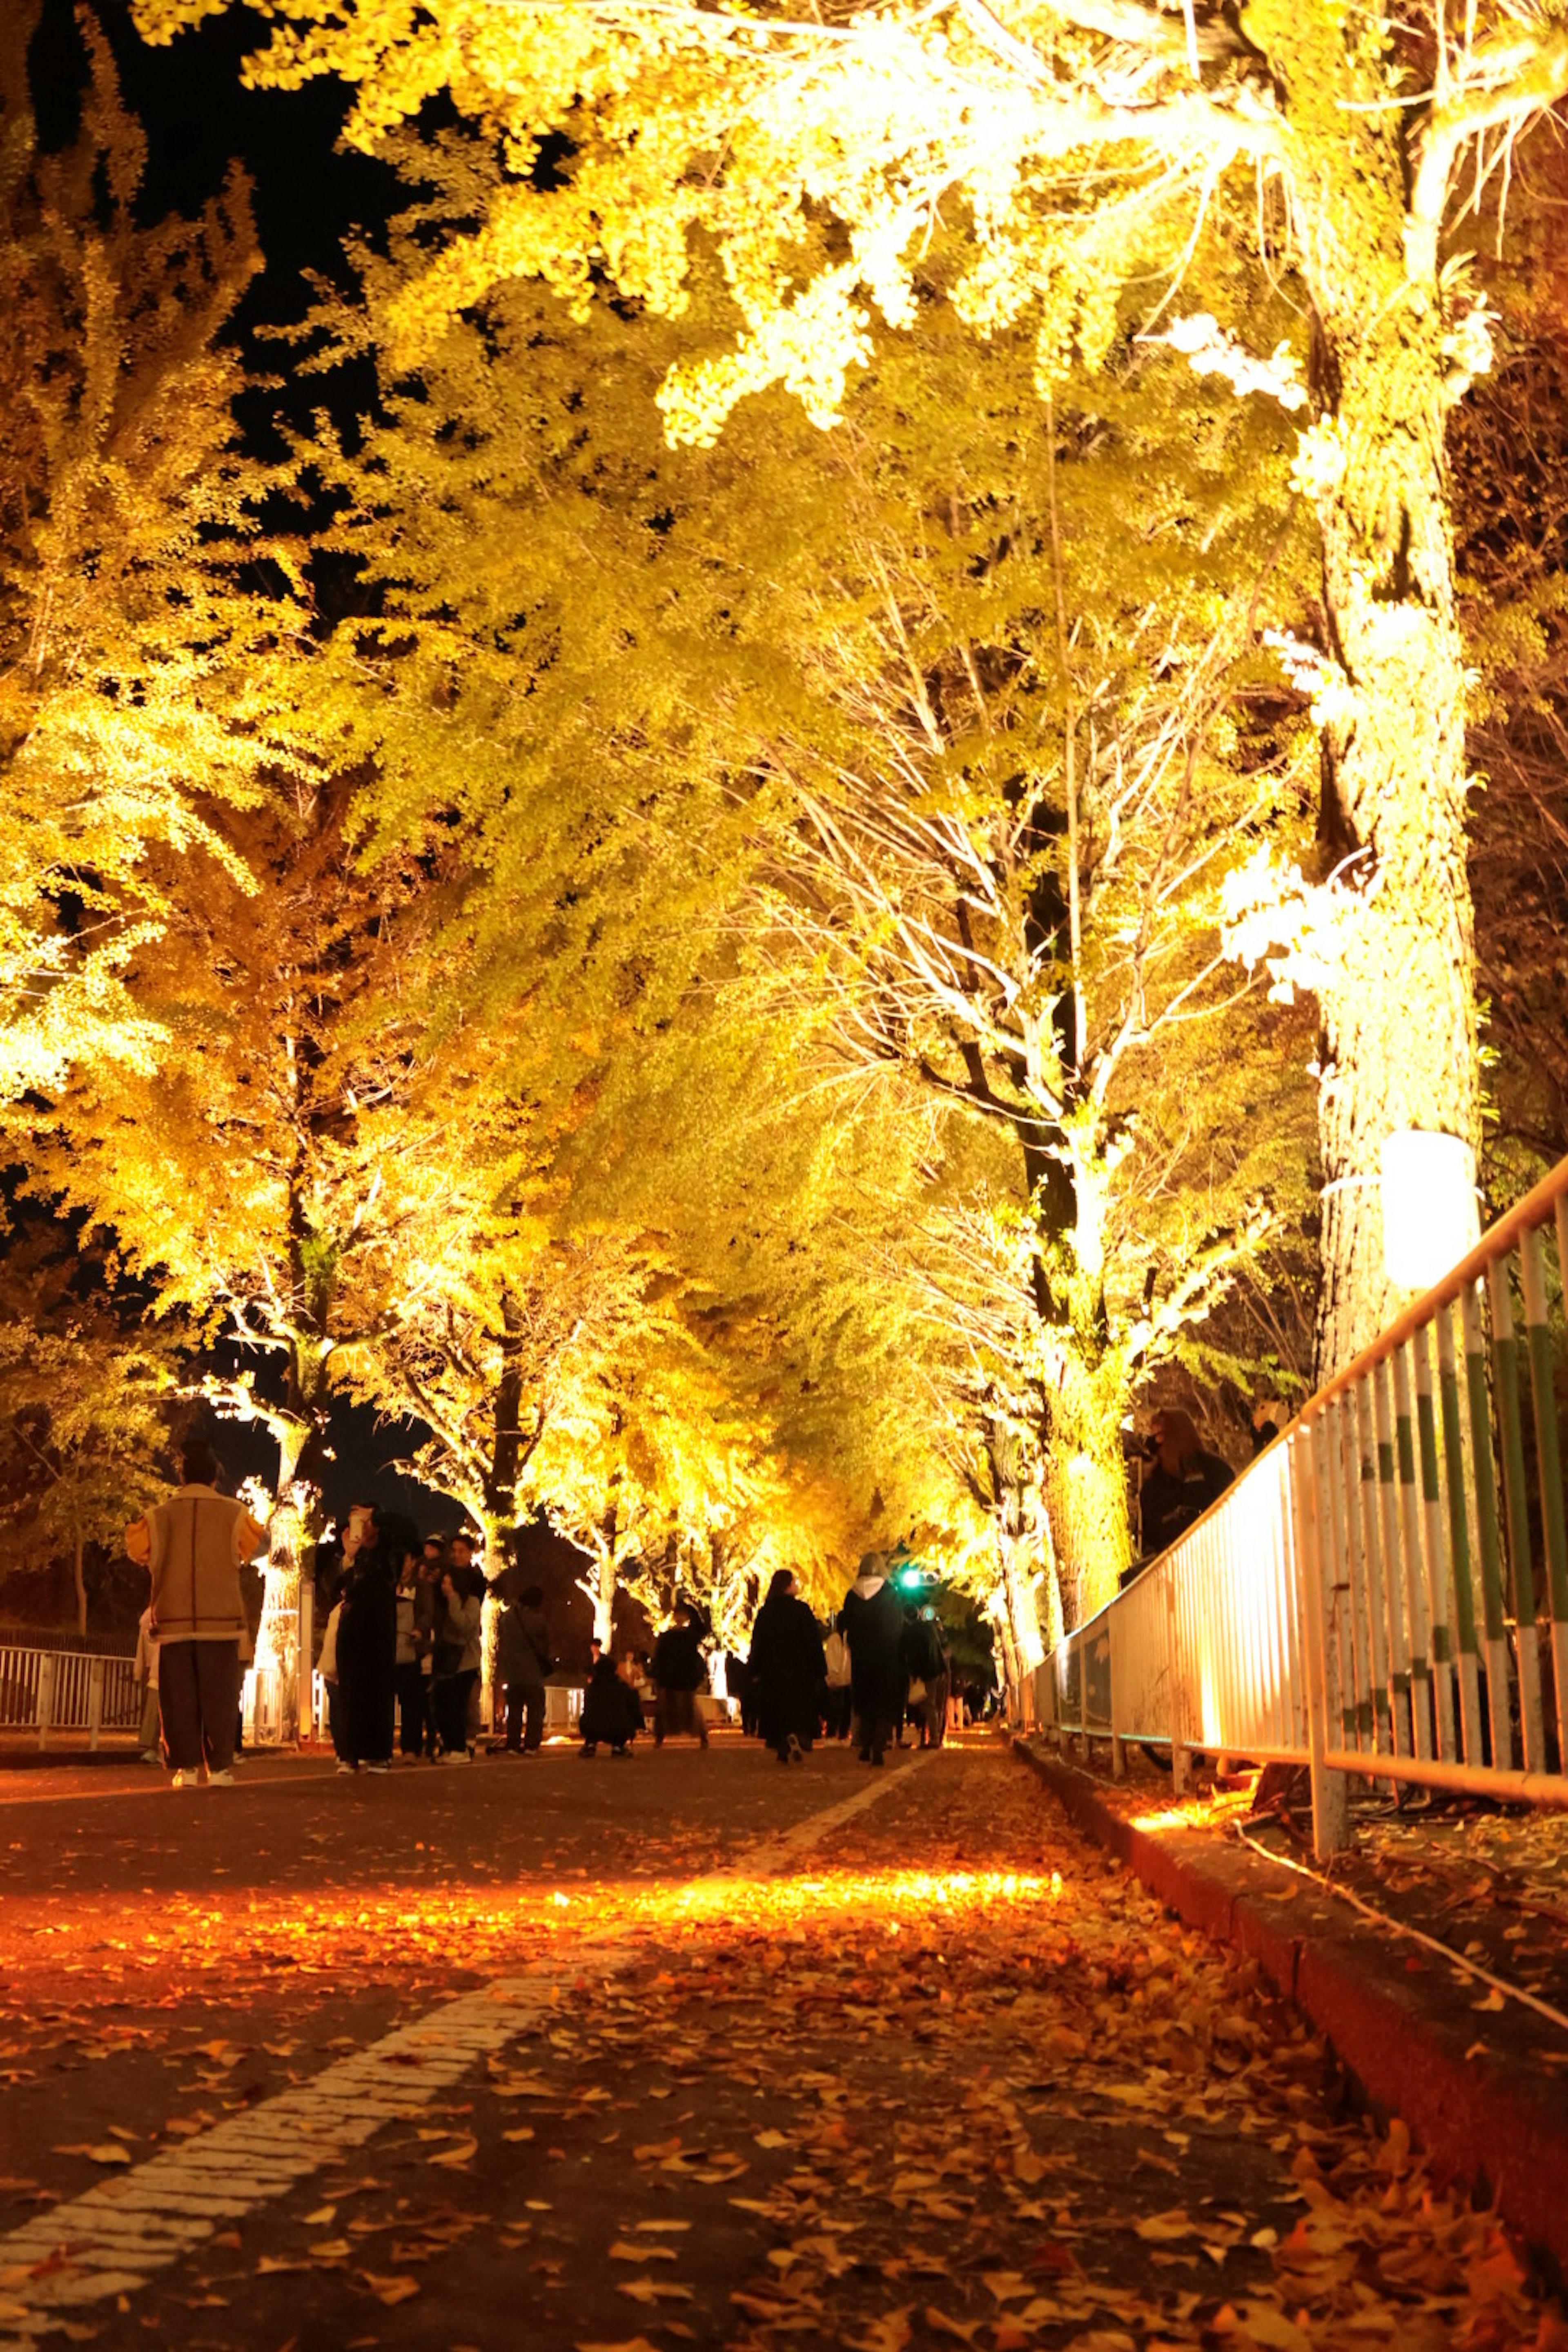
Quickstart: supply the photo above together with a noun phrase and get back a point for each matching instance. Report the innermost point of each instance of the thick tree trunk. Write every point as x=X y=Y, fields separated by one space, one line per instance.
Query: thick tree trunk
x=1086 y=1495
x=1399 y=1040
x=599 y=1590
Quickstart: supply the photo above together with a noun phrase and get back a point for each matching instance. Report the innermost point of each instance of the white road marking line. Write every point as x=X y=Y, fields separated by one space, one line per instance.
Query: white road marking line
x=110 y=2241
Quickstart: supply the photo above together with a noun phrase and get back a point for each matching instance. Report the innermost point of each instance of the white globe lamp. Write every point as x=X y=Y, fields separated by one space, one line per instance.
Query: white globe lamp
x=1430 y=1217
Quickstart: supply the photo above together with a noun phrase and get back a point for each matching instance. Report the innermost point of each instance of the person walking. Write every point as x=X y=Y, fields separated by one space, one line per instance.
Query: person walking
x=416 y=1606
x=456 y=1670
x=194 y=1547
x=787 y=1668
x=677 y=1674
x=873 y=1621
x=145 y=1670
x=927 y=1663
x=522 y=1660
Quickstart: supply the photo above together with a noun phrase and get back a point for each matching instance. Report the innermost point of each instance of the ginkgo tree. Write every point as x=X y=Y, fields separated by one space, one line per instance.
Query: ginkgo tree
x=138 y=686
x=1079 y=142
x=1007 y=879
x=299 y=1167
x=948 y=781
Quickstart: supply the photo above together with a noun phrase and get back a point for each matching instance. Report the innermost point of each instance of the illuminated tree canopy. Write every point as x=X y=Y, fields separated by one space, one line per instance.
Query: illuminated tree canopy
x=835 y=809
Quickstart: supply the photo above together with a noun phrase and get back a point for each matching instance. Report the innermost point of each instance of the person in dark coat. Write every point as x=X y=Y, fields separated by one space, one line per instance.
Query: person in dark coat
x=522 y=1659
x=788 y=1670
x=678 y=1674
x=873 y=1621
x=926 y=1664
x=1182 y=1484
x=612 y=1711
x=416 y=1604
x=742 y=1689
x=367 y=1637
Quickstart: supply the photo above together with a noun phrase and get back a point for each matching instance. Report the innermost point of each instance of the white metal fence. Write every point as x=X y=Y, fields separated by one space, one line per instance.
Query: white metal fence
x=46 y=1691
x=1384 y=1592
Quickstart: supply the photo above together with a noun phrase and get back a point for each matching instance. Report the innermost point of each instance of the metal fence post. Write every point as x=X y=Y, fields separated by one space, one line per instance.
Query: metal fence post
x=46 y=1696
x=1330 y=1790
x=1549 y=1468
x=1118 y=1761
x=1181 y=1758
x=95 y=1673
x=1505 y=1372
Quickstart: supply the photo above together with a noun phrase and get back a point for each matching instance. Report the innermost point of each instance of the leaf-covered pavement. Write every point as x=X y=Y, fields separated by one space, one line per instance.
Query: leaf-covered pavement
x=950 y=2078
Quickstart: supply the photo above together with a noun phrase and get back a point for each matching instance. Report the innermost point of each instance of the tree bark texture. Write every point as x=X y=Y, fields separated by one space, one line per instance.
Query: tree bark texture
x=1399 y=1046
x=278 y=1636
x=1086 y=1497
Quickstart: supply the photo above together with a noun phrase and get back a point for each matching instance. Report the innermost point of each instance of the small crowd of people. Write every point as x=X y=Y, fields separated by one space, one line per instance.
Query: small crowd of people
x=882 y=1666
x=401 y=1654
x=879 y=1670
x=403 y=1622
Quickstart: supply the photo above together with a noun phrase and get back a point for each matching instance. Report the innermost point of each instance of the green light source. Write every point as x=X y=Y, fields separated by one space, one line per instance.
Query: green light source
x=909 y=1577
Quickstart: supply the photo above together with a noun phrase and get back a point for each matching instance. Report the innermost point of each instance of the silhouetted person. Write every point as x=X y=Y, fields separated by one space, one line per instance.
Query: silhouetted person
x=873 y=1621
x=787 y=1669
x=1182 y=1484
x=522 y=1659
x=678 y=1676
x=612 y=1711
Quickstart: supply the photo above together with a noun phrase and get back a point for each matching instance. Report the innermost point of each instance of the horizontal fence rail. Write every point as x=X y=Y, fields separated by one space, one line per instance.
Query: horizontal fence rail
x=1384 y=1593
x=47 y=1690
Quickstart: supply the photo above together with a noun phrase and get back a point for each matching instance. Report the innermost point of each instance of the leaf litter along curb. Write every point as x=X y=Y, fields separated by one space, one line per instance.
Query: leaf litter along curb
x=1030 y=2109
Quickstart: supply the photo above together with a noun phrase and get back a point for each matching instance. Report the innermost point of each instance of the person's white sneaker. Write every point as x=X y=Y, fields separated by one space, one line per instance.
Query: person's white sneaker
x=348 y=1768
x=456 y=1756
x=220 y=1779
x=378 y=1768
x=182 y=1780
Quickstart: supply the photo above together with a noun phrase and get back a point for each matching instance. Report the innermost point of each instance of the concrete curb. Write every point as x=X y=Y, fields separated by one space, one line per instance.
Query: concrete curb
x=1495 y=2123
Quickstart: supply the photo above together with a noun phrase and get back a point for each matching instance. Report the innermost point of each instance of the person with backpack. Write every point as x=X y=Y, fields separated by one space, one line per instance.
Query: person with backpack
x=522 y=1660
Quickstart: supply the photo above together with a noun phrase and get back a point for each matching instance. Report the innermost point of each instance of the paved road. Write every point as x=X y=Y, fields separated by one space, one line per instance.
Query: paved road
x=686 y=2051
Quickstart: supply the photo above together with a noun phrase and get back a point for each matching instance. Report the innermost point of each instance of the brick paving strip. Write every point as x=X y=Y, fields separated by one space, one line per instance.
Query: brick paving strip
x=110 y=2242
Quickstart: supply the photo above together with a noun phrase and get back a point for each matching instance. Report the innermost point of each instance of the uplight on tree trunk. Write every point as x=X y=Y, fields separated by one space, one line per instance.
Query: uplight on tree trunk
x=1430 y=1218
